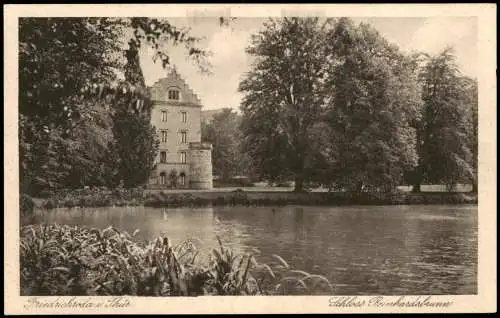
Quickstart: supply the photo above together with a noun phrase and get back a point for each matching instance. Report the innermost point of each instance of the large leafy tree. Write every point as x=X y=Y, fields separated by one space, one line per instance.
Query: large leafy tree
x=223 y=131
x=283 y=100
x=57 y=59
x=135 y=140
x=446 y=152
x=374 y=101
x=474 y=122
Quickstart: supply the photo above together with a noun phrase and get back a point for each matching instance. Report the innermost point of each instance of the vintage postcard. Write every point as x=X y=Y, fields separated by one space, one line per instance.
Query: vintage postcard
x=291 y=158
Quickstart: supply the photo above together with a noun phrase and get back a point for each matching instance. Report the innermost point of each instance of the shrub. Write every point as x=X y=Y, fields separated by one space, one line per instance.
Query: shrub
x=26 y=204
x=96 y=197
x=26 y=208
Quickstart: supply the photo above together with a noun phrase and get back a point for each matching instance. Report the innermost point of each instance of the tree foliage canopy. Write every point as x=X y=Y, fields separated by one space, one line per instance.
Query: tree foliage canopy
x=449 y=122
x=282 y=102
x=223 y=132
x=374 y=100
x=334 y=102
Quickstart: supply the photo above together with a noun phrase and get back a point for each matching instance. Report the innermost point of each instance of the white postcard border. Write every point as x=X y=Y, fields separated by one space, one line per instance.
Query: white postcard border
x=485 y=301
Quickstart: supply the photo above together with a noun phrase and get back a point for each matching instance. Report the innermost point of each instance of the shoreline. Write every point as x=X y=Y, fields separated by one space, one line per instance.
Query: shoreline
x=158 y=198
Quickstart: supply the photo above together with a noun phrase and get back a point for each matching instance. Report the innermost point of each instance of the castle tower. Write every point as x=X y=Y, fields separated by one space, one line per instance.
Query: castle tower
x=200 y=165
x=182 y=160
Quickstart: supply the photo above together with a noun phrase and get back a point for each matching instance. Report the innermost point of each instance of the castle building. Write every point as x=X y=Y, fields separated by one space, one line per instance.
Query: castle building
x=183 y=161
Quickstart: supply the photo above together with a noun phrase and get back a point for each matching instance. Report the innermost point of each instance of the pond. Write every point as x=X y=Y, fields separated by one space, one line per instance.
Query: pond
x=369 y=250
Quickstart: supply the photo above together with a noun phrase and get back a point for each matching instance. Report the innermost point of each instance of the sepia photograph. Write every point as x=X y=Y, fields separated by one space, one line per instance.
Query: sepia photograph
x=224 y=155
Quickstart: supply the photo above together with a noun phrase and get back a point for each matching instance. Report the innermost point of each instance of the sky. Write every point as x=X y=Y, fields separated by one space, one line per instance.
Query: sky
x=230 y=62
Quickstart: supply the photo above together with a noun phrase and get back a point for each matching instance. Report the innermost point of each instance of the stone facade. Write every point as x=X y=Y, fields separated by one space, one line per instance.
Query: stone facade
x=176 y=116
x=200 y=166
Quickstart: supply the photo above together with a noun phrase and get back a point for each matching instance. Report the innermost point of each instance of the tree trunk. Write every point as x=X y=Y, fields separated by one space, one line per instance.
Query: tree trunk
x=299 y=183
x=359 y=187
x=416 y=187
x=299 y=172
x=450 y=187
x=418 y=172
x=417 y=180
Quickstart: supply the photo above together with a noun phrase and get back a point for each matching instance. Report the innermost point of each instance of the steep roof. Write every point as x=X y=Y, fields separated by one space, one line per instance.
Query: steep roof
x=160 y=88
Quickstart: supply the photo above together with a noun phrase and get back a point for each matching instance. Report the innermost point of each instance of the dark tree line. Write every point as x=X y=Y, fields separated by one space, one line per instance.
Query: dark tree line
x=333 y=102
x=326 y=101
x=228 y=157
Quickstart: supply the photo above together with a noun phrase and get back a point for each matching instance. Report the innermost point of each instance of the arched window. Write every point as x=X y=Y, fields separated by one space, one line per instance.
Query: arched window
x=173 y=94
x=163 y=178
x=163 y=157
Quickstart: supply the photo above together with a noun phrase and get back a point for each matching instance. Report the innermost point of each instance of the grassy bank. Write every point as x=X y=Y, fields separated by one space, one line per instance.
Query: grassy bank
x=249 y=198
x=122 y=197
x=71 y=261
x=94 y=197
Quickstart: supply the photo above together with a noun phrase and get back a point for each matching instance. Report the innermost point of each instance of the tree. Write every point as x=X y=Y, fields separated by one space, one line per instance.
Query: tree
x=224 y=134
x=445 y=150
x=135 y=140
x=283 y=97
x=57 y=58
x=89 y=151
x=474 y=143
x=374 y=99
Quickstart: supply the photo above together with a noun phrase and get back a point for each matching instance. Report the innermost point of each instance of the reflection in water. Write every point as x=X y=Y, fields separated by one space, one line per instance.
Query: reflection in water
x=361 y=250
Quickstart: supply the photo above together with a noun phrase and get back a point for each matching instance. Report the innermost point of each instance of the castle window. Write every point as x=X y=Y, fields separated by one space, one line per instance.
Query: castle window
x=163 y=157
x=173 y=94
x=183 y=137
x=164 y=116
x=163 y=178
x=163 y=136
x=182 y=179
x=183 y=157
x=184 y=117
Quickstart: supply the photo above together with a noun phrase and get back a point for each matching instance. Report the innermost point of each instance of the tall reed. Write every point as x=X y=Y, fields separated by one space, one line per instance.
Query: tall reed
x=70 y=260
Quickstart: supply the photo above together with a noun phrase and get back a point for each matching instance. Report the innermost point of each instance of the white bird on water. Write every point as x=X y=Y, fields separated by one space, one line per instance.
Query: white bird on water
x=217 y=221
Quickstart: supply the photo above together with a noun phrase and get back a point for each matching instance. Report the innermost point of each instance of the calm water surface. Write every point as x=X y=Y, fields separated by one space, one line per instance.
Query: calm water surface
x=361 y=250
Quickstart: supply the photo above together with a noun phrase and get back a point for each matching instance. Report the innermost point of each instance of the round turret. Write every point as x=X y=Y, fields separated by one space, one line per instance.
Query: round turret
x=200 y=166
